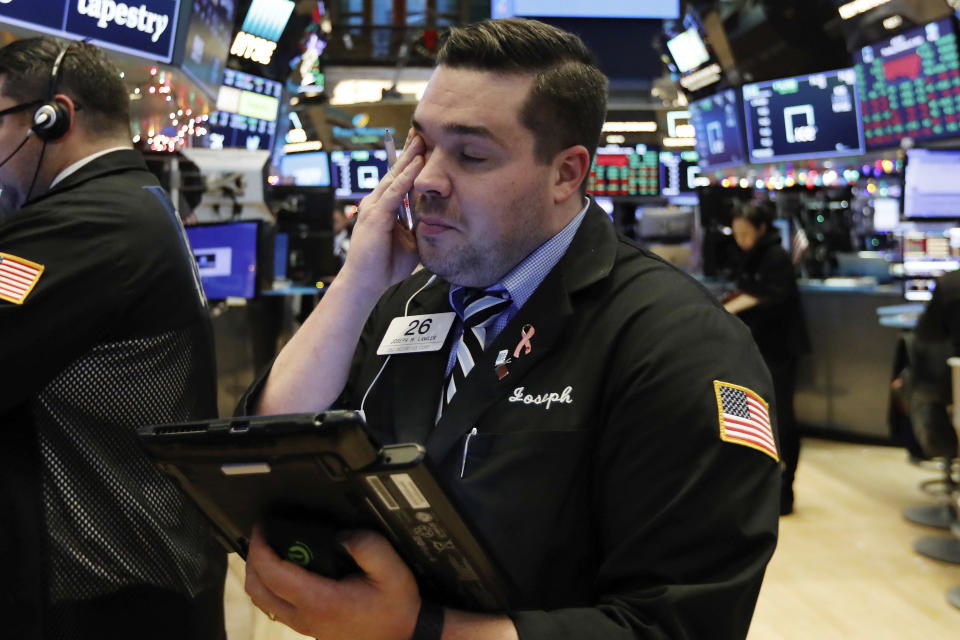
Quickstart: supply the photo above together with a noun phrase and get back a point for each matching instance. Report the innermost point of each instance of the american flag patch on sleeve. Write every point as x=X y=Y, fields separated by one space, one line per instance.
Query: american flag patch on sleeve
x=18 y=277
x=744 y=418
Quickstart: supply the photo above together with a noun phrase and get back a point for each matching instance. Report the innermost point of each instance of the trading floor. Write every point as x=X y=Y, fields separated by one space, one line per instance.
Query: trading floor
x=843 y=568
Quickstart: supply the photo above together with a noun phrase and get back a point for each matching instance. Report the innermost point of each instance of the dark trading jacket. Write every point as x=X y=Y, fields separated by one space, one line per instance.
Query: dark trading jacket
x=115 y=334
x=616 y=510
x=777 y=321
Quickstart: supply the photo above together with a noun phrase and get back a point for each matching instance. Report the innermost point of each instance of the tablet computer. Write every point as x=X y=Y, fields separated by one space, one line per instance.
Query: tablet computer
x=306 y=476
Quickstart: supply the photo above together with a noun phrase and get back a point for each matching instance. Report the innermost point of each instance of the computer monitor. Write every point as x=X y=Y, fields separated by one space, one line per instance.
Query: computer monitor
x=678 y=173
x=246 y=115
x=886 y=214
x=310 y=169
x=910 y=86
x=811 y=116
x=931 y=188
x=718 y=126
x=688 y=50
x=625 y=171
x=357 y=173
x=226 y=255
x=927 y=255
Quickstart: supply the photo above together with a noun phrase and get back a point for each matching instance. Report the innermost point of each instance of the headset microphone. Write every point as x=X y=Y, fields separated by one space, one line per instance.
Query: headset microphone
x=19 y=146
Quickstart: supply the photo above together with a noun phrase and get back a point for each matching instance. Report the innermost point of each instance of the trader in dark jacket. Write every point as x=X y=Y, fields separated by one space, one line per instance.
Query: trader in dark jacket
x=600 y=419
x=103 y=327
x=767 y=300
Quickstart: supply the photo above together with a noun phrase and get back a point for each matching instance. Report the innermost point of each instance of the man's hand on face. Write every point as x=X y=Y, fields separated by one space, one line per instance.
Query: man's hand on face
x=383 y=604
x=383 y=252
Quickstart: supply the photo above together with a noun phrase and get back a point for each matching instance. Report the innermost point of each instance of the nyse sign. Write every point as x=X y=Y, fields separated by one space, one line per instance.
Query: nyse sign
x=145 y=28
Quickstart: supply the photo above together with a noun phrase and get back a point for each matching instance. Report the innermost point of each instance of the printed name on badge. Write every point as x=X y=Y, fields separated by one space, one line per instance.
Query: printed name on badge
x=416 y=334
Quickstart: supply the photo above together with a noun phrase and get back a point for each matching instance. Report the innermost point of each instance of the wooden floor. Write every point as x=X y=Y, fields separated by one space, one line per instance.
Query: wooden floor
x=844 y=567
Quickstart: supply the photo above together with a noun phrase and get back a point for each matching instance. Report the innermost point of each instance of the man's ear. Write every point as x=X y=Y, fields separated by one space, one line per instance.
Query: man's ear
x=70 y=108
x=570 y=170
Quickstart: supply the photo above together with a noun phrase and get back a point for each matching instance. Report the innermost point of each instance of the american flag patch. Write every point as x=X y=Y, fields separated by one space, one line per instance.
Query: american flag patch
x=17 y=278
x=744 y=418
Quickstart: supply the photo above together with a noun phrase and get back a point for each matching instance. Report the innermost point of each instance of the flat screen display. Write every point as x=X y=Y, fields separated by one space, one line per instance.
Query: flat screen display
x=356 y=173
x=585 y=8
x=678 y=173
x=910 y=86
x=226 y=257
x=305 y=169
x=803 y=117
x=718 y=125
x=926 y=257
x=246 y=114
x=625 y=171
x=688 y=50
x=931 y=184
x=207 y=43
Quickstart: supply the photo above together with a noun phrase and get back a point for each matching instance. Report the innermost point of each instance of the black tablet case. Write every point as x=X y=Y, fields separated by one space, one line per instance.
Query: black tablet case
x=308 y=475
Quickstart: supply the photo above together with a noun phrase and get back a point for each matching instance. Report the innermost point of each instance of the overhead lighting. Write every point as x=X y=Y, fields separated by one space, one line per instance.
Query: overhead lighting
x=892 y=22
x=702 y=78
x=857 y=7
x=357 y=90
x=616 y=139
x=298 y=147
x=630 y=127
x=296 y=135
x=679 y=142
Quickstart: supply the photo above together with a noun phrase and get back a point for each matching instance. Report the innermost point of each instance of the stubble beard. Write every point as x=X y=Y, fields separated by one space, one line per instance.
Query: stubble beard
x=484 y=261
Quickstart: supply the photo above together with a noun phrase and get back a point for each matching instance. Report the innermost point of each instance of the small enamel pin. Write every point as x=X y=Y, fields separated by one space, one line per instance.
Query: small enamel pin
x=500 y=366
x=525 y=334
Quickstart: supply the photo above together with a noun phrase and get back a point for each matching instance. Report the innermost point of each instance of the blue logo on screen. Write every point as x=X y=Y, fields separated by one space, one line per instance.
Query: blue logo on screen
x=267 y=18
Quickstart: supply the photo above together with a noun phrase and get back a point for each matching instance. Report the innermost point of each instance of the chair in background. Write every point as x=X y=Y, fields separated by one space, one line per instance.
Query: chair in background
x=953 y=593
x=929 y=436
x=945 y=548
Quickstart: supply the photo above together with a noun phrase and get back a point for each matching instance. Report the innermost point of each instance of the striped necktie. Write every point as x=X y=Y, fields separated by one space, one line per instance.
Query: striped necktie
x=480 y=310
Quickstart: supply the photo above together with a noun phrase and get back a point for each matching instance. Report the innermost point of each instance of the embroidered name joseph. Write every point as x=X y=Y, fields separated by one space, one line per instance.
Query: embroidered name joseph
x=544 y=398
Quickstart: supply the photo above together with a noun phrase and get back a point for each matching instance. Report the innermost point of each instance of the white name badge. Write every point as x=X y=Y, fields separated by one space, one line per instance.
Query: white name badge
x=416 y=334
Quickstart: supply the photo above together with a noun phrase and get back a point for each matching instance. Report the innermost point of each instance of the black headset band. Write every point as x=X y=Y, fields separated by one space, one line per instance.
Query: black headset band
x=55 y=73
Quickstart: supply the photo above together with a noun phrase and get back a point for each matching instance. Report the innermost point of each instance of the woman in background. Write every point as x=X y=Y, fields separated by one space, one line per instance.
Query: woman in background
x=768 y=301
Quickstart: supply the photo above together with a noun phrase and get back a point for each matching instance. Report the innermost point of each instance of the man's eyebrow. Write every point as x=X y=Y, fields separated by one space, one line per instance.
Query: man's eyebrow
x=457 y=129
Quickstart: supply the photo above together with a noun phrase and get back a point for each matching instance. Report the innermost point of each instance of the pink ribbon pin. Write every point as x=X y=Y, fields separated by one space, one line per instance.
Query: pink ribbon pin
x=525 y=334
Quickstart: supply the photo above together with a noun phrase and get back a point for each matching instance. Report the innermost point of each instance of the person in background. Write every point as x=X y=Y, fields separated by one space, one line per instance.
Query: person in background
x=103 y=327
x=596 y=414
x=766 y=298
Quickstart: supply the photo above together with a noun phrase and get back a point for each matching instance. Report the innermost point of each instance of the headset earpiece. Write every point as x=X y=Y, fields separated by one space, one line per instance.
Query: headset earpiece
x=52 y=119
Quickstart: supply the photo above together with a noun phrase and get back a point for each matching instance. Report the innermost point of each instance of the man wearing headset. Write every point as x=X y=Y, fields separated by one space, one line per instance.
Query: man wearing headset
x=103 y=327
x=609 y=438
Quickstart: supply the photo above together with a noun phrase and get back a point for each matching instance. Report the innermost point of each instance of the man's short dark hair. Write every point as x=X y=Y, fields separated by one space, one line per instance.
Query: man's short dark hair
x=86 y=75
x=567 y=104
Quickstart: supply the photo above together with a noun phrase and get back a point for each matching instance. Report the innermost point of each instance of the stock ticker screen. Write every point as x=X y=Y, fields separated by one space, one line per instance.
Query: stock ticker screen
x=354 y=174
x=910 y=86
x=678 y=173
x=803 y=117
x=246 y=115
x=625 y=171
x=719 y=133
